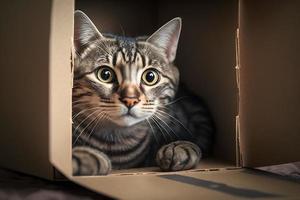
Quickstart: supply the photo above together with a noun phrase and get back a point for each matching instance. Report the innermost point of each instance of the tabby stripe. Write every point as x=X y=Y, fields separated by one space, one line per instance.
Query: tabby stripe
x=77 y=77
x=134 y=56
x=114 y=60
x=123 y=55
x=108 y=106
x=111 y=102
x=134 y=163
x=149 y=62
x=172 y=162
x=133 y=150
x=168 y=98
x=106 y=58
x=82 y=95
x=186 y=161
x=169 y=78
x=143 y=60
x=117 y=154
x=98 y=162
x=77 y=160
x=147 y=108
x=130 y=160
x=147 y=111
x=104 y=145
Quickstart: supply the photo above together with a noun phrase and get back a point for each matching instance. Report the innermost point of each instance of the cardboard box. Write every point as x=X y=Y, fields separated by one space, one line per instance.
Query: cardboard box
x=240 y=56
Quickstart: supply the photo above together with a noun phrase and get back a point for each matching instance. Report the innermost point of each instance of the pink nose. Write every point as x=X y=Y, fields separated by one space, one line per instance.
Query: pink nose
x=130 y=101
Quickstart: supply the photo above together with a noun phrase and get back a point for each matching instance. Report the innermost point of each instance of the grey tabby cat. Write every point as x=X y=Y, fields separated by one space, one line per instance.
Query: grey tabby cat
x=128 y=108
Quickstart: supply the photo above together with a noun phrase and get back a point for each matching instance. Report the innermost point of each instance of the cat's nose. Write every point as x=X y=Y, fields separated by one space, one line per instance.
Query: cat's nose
x=130 y=101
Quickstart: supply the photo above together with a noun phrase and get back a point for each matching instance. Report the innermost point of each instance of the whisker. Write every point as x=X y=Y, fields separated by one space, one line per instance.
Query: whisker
x=153 y=133
x=167 y=124
x=148 y=104
x=84 y=121
x=160 y=126
x=176 y=100
x=158 y=120
x=87 y=103
x=80 y=100
x=99 y=118
x=109 y=106
x=78 y=136
x=102 y=118
x=84 y=105
x=177 y=120
x=148 y=108
x=98 y=107
x=106 y=101
x=147 y=111
x=82 y=111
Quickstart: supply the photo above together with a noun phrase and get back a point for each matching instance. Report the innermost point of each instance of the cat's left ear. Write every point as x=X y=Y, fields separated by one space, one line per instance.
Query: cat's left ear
x=84 y=31
x=167 y=38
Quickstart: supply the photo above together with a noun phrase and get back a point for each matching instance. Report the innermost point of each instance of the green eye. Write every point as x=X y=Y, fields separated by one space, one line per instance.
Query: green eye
x=105 y=74
x=150 y=77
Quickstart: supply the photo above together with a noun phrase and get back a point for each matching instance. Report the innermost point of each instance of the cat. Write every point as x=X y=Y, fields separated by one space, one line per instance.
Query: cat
x=129 y=109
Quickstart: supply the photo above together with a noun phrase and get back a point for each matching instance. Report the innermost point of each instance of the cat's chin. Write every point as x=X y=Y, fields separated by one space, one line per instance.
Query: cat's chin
x=127 y=120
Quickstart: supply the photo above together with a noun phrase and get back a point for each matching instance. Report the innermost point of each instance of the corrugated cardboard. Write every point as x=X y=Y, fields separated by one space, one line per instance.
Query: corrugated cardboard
x=269 y=72
x=239 y=84
x=24 y=86
x=60 y=71
x=224 y=184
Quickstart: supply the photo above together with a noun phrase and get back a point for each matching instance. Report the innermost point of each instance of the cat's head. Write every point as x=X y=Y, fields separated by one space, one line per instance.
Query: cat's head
x=120 y=79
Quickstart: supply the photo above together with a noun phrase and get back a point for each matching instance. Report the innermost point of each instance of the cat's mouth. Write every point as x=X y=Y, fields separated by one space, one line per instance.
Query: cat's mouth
x=127 y=119
x=129 y=114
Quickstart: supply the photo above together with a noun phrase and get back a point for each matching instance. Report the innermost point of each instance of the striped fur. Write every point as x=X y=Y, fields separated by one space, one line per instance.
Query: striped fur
x=128 y=122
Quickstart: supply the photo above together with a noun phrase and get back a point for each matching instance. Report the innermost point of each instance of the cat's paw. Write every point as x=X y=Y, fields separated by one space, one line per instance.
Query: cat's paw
x=179 y=155
x=87 y=161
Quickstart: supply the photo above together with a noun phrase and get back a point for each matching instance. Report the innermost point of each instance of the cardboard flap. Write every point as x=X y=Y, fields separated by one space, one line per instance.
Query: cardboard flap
x=226 y=184
x=61 y=85
x=24 y=36
x=269 y=82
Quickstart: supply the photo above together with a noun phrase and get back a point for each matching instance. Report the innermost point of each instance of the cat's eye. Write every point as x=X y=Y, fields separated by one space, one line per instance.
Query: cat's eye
x=105 y=74
x=150 y=77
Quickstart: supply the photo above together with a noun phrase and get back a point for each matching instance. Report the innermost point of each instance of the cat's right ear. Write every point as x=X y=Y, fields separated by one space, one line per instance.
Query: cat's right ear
x=84 y=31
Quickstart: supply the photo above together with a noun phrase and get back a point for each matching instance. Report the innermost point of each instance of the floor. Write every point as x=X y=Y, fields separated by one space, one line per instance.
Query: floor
x=290 y=169
x=17 y=186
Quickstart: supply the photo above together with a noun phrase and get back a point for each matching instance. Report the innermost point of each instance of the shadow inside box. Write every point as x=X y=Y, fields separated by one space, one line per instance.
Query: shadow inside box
x=15 y=185
x=220 y=187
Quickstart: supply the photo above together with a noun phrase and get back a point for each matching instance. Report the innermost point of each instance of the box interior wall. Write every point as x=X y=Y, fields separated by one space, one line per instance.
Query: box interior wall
x=24 y=86
x=269 y=89
x=205 y=56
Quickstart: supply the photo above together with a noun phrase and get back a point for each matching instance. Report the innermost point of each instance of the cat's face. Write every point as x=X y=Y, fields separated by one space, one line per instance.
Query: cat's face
x=123 y=80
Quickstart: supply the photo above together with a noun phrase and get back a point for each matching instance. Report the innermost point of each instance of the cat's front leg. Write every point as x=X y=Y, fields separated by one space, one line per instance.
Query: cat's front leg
x=88 y=161
x=179 y=155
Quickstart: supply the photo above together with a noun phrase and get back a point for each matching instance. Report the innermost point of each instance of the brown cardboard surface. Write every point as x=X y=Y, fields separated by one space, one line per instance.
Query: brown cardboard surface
x=60 y=93
x=206 y=54
x=36 y=83
x=206 y=60
x=130 y=18
x=62 y=23
x=24 y=86
x=204 y=165
x=269 y=78
x=229 y=184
